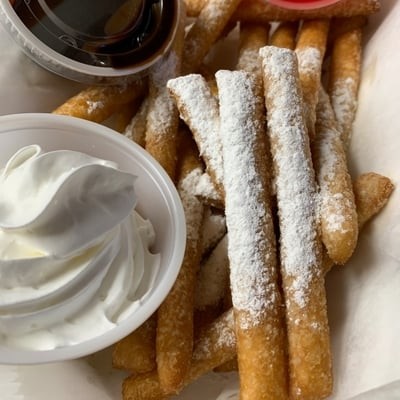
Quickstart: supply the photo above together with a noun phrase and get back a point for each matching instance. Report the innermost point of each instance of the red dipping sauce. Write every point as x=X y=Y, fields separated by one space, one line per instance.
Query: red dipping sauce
x=303 y=4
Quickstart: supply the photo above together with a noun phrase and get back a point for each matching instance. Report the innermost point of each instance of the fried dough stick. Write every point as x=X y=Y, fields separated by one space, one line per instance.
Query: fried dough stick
x=251 y=239
x=338 y=215
x=310 y=373
x=371 y=192
x=207 y=28
x=136 y=352
x=136 y=129
x=97 y=103
x=162 y=115
x=174 y=339
x=310 y=51
x=200 y=113
x=344 y=79
x=261 y=11
x=216 y=345
x=285 y=35
x=252 y=38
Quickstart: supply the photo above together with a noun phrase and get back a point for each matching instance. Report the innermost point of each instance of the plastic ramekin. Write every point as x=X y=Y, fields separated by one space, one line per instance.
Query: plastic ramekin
x=303 y=4
x=158 y=201
x=74 y=70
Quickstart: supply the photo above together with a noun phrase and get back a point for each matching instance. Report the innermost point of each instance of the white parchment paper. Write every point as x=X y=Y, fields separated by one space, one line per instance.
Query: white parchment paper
x=363 y=296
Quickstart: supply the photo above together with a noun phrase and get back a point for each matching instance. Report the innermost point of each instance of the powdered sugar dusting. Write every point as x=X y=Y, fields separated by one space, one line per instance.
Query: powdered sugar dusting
x=206 y=190
x=221 y=336
x=213 y=276
x=309 y=60
x=94 y=105
x=199 y=110
x=214 y=228
x=296 y=191
x=251 y=254
x=192 y=206
x=344 y=103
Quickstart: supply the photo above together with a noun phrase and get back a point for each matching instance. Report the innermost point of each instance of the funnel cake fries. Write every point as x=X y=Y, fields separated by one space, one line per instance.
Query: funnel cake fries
x=207 y=28
x=371 y=192
x=285 y=35
x=252 y=38
x=300 y=247
x=136 y=352
x=162 y=115
x=261 y=11
x=215 y=346
x=97 y=103
x=136 y=129
x=310 y=51
x=174 y=341
x=251 y=245
x=339 y=225
x=199 y=109
x=344 y=79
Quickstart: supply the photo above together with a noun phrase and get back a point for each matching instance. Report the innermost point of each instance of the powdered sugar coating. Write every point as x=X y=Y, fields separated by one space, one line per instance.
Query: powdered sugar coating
x=309 y=60
x=251 y=253
x=296 y=189
x=199 y=109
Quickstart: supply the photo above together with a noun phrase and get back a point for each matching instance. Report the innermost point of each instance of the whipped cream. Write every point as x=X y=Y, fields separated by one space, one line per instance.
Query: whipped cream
x=74 y=254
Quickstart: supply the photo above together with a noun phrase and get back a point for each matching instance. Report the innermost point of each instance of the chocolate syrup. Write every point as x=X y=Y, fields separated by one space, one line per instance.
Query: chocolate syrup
x=104 y=33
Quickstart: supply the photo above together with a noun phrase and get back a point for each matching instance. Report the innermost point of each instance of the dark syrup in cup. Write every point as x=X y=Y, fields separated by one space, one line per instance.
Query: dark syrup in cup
x=101 y=33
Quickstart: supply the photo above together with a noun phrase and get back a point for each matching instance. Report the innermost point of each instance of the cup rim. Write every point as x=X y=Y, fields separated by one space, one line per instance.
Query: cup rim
x=17 y=356
x=71 y=69
x=310 y=5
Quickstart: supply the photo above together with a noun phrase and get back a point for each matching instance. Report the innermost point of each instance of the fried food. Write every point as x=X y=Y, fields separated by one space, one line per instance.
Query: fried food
x=310 y=374
x=215 y=346
x=338 y=215
x=97 y=103
x=371 y=192
x=260 y=11
x=344 y=79
x=201 y=115
x=251 y=246
x=162 y=115
x=310 y=51
x=136 y=129
x=174 y=339
x=207 y=28
x=137 y=352
x=285 y=35
x=252 y=38
x=213 y=230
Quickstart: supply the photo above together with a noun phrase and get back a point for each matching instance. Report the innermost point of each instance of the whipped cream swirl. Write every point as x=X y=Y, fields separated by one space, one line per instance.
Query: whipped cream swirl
x=74 y=254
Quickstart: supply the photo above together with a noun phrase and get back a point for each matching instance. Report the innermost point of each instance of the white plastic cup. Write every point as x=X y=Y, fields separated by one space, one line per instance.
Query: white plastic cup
x=158 y=201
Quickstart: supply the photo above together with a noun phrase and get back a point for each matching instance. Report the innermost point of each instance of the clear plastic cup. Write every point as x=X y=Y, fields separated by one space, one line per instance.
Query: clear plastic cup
x=303 y=4
x=94 y=42
x=158 y=201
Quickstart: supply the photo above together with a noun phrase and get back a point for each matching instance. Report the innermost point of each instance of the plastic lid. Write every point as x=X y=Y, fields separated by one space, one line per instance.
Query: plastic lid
x=303 y=4
x=92 y=41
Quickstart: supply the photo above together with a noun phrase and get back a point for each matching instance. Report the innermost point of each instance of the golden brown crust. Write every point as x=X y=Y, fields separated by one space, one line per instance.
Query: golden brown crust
x=262 y=11
x=162 y=115
x=174 y=340
x=344 y=79
x=372 y=191
x=252 y=38
x=310 y=375
x=285 y=35
x=136 y=352
x=97 y=103
x=338 y=215
x=208 y=26
x=254 y=285
x=310 y=51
